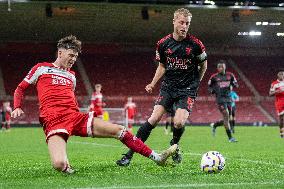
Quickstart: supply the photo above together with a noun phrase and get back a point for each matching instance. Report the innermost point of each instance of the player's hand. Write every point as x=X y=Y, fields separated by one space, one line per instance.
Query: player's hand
x=149 y=88
x=17 y=112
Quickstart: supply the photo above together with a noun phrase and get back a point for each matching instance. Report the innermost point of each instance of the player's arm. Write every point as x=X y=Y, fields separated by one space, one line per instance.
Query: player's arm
x=211 y=85
x=18 y=99
x=31 y=78
x=234 y=81
x=160 y=71
x=274 y=91
x=202 y=69
x=201 y=58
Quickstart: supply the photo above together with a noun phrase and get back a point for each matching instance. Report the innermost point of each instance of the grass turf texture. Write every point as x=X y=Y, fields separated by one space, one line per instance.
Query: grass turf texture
x=256 y=161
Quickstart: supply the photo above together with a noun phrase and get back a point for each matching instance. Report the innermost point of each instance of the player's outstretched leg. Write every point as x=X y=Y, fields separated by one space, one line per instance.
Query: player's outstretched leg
x=215 y=125
x=166 y=128
x=227 y=126
x=8 y=125
x=179 y=122
x=57 y=151
x=109 y=130
x=143 y=133
x=232 y=125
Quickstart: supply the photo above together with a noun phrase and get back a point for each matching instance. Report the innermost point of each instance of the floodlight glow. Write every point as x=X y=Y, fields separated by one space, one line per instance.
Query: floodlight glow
x=275 y=24
x=268 y=23
x=243 y=33
x=209 y=2
x=280 y=34
x=254 y=33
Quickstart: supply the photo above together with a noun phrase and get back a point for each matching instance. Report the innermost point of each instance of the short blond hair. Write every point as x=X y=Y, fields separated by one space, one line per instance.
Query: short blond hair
x=70 y=42
x=182 y=11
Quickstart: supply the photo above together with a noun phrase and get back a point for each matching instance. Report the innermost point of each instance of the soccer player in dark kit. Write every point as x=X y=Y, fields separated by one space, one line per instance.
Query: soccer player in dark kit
x=220 y=84
x=183 y=62
x=232 y=111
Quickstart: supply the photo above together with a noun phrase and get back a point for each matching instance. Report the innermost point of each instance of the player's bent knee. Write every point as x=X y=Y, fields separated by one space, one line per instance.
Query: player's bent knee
x=178 y=124
x=153 y=120
x=59 y=165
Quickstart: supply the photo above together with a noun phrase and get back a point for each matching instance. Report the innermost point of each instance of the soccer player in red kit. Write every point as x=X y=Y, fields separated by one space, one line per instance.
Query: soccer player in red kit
x=277 y=89
x=97 y=101
x=6 y=116
x=130 y=108
x=59 y=111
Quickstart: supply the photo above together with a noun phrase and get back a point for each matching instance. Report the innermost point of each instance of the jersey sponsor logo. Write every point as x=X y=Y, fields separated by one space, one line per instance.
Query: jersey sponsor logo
x=224 y=84
x=177 y=63
x=58 y=80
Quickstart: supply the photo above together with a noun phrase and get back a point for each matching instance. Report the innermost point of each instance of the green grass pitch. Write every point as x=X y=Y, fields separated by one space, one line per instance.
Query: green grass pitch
x=256 y=161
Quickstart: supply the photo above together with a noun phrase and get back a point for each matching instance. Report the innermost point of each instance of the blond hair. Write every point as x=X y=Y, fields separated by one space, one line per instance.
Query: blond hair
x=182 y=11
x=70 y=42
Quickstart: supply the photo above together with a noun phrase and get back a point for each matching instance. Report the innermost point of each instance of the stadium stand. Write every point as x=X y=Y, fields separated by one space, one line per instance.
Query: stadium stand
x=125 y=74
x=261 y=71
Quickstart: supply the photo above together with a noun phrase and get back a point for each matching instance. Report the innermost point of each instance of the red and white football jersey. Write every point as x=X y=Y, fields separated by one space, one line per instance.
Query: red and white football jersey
x=278 y=85
x=55 y=88
x=97 y=100
x=7 y=109
x=131 y=109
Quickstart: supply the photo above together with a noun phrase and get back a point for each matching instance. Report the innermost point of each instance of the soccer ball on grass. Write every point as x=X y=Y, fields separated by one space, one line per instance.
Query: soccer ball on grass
x=212 y=162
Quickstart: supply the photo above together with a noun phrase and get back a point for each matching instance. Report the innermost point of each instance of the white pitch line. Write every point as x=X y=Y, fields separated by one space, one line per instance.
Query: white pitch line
x=186 y=153
x=188 y=185
x=261 y=162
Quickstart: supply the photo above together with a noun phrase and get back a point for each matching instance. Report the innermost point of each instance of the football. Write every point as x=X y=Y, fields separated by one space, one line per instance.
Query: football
x=212 y=162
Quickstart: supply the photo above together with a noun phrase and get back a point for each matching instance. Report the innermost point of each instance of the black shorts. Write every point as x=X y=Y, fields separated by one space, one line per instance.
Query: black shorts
x=179 y=99
x=224 y=106
x=171 y=112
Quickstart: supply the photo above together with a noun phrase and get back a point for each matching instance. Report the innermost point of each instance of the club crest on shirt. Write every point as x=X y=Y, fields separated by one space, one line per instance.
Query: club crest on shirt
x=187 y=50
x=168 y=51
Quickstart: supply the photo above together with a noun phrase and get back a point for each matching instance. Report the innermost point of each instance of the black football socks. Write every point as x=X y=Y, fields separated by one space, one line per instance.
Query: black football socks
x=228 y=131
x=177 y=133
